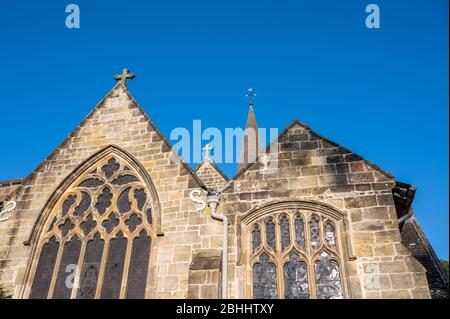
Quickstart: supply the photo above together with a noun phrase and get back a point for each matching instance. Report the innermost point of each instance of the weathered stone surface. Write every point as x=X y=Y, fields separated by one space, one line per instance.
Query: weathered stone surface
x=396 y=294
x=392 y=267
x=186 y=256
x=206 y=260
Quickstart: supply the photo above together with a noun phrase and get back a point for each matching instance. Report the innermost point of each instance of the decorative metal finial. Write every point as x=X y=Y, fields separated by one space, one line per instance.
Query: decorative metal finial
x=207 y=149
x=124 y=76
x=250 y=94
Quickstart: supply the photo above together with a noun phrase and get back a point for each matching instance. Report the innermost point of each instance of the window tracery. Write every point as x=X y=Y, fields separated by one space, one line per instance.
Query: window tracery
x=296 y=255
x=102 y=225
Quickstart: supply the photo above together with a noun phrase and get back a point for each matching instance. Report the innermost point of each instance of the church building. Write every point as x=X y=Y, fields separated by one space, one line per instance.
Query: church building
x=115 y=212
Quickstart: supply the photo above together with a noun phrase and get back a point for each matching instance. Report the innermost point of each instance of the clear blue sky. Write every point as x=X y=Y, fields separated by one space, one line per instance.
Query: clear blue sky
x=382 y=93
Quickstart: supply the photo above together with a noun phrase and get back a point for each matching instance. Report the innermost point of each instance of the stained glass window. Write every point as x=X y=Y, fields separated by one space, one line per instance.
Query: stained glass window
x=64 y=284
x=299 y=231
x=285 y=233
x=101 y=225
x=264 y=279
x=256 y=234
x=295 y=273
x=90 y=270
x=314 y=231
x=140 y=255
x=330 y=236
x=44 y=270
x=328 y=280
x=270 y=233
x=283 y=270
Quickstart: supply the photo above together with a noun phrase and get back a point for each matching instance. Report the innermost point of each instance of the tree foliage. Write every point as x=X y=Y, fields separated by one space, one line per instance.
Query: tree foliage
x=4 y=294
x=445 y=264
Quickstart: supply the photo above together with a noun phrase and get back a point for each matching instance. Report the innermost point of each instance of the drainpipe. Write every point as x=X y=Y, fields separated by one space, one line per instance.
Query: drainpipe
x=213 y=202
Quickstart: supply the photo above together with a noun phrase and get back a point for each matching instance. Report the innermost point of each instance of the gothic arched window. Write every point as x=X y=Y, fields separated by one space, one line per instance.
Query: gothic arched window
x=97 y=240
x=295 y=254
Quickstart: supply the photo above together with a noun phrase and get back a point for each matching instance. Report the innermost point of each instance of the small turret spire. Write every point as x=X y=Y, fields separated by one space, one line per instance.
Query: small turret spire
x=251 y=145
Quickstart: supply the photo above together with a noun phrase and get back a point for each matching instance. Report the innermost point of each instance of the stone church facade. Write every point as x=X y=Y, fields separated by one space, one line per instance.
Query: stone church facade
x=114 y=201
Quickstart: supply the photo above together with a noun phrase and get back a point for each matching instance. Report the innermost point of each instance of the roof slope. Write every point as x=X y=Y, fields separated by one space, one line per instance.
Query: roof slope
x=414 y=239
x=342 y=150
x=102 y=104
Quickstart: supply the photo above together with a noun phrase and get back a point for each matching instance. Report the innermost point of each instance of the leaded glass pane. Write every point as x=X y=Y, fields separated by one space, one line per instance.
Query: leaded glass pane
x=66 y=227
x=84 y=205
x=133 y=222
x=256 y=241
x=67 y=204
x=67 y=269
x=44 y=270
x=104 y=200
x=137 y=274
x=91 y=182
x=91 y=268
x=124 y=179
x=88 y=225
x=315 y=231
x=295 y=279
x=141 y=198
x=270 y=233
x=330 y=236
x=285 y=232
x=114 y=267
x=123 y=202
x=110 y=223
x=110 y=168
x=264 y=279
x=328 y=281
x=299 y=231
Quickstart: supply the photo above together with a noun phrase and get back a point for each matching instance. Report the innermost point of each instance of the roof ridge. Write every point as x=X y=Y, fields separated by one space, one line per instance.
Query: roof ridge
x=307 y=127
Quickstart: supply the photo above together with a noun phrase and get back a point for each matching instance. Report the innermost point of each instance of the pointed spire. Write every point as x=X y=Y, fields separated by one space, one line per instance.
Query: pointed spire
x=251 y=145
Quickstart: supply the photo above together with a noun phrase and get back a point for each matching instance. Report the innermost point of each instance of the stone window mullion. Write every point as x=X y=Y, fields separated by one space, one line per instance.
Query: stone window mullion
x=101 y=274
x=79 y=268
x=124 y=282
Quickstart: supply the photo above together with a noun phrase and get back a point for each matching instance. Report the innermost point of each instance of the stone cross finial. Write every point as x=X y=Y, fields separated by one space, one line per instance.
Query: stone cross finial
x=124 y=76
x=265 y=160
x=207 y=149
x=250 y=94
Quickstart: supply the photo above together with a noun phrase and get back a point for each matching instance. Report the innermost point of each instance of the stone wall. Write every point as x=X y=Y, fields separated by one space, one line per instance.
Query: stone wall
x=310 y=167
x=210 y=175
x=119 y=121
x=8 y=230
x=205 y=275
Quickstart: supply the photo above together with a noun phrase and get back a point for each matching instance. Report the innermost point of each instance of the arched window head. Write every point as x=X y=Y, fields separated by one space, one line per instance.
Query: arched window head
x=297 y=253
x=97 y=238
